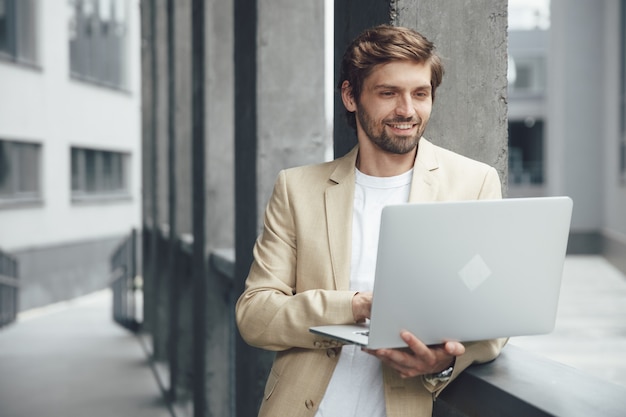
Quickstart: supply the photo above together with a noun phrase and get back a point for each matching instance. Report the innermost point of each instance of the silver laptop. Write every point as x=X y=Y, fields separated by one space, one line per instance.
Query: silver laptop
x=465 y=271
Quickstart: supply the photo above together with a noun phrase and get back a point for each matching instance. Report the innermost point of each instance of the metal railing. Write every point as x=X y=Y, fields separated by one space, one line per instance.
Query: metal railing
x=175 y=336
x=124 y=282
x=9 y=289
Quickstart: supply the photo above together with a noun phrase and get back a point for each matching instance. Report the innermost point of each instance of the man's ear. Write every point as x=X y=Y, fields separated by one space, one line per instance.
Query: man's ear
x=347 y=97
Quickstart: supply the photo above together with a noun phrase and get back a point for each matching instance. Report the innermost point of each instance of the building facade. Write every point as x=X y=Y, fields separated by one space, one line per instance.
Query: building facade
x=567 y=129
x=70 y=134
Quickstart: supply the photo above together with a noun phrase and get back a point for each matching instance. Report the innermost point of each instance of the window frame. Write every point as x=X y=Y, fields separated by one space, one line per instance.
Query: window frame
x=90 y=183
x=95 y=58
x=21 y=30
x=18 y=196
x=532 y=170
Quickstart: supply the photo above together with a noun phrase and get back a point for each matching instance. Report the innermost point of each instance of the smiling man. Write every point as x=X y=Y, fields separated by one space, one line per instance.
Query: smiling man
x=314 y=262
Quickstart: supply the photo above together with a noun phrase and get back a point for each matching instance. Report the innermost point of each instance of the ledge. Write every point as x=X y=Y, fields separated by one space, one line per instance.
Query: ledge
x=522 y=383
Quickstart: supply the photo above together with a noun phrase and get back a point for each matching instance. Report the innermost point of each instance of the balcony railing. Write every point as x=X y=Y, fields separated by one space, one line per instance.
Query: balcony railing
x=9 y=289
x=124 y=283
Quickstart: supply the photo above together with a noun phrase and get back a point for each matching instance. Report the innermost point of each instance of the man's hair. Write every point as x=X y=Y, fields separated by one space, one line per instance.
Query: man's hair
x=381 y=45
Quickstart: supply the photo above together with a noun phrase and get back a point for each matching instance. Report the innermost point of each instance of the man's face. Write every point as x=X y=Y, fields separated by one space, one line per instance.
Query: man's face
x=395 y=106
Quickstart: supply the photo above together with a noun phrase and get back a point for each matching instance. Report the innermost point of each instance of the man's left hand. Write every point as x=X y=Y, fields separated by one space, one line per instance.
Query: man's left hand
x=418 y=358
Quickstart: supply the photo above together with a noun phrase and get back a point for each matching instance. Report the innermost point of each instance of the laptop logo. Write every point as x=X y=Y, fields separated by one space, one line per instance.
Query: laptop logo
x=475 y=272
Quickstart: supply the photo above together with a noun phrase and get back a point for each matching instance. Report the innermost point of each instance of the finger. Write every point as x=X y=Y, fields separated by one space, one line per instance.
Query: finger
x=405 y=362
x=405 y=370
x=454 y=348
x=417 y=346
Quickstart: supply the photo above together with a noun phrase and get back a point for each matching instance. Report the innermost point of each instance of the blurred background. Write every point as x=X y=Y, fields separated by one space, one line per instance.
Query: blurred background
x=77 y=79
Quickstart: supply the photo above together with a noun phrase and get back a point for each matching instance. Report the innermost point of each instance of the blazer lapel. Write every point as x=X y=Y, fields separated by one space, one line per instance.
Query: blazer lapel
x=424 y=185
x=339 y=206
x=340 y=200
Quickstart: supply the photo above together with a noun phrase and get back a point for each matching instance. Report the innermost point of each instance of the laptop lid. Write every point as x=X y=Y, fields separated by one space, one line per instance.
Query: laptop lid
x=468 y=270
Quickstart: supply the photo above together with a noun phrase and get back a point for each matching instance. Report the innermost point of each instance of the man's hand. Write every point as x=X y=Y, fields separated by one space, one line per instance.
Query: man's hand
x=362 y=305
x=418 y=358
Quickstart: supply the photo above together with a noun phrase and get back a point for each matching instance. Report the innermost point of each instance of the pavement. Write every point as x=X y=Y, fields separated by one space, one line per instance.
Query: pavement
x=71 y=359
x=590 y=330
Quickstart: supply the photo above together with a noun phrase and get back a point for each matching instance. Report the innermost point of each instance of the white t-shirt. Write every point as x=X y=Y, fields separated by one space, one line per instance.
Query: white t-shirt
x=356 y=387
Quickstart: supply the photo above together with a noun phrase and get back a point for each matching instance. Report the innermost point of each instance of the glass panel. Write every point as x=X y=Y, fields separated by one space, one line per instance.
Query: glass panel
x=28 y=176
x=528 y=74
x=526 y=151
x=19 y=169
x=76 y=169
x=5 y=169
x=107 y=171
x=90 y=171
x=97 y=172
x=529 y=15
x=118 y=171
x=98 y=41
x=104 y=10
x=623 y=160
x=25 y=17
x=3 y=26
x=88 y=7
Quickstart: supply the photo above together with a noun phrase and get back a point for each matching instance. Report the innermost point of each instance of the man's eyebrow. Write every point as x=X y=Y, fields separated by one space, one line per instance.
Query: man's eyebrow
x=395 y=87
x=385 y=87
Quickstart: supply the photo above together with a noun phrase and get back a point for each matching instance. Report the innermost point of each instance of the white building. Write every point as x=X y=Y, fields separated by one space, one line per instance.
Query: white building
x=70 y=136
x=70 y=129
x=567 y=115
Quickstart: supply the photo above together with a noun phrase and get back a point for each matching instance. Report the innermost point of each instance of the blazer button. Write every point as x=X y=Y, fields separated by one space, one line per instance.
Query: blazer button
x=309 y=404
x=331 y=353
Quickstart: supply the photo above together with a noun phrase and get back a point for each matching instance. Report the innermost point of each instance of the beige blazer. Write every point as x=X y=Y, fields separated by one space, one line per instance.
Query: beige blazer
x=301 y=274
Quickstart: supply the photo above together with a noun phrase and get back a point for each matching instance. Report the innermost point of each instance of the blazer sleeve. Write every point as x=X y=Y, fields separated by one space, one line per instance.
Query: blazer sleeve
x=270 y=313
x=492 y=187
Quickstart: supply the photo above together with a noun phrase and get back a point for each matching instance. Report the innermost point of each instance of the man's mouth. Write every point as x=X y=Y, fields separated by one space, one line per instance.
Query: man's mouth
x=402 y=126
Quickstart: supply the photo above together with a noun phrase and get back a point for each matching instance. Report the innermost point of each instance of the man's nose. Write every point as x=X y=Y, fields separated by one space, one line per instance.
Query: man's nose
x=405 y=106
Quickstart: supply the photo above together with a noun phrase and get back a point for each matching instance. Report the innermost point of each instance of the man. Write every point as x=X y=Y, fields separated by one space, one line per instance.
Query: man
x=314 y=262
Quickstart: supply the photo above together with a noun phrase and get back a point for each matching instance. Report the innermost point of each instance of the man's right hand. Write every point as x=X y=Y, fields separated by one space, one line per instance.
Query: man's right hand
x=362 y=306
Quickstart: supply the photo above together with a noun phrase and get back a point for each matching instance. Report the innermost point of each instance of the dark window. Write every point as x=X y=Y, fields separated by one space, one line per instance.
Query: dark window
x=528 y=75
x=98 y=173
x=526 y=151
x=98 y=41
x=18 y=25
x=19 y=171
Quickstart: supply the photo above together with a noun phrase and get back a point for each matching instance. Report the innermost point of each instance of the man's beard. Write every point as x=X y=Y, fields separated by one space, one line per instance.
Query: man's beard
x=390 y=143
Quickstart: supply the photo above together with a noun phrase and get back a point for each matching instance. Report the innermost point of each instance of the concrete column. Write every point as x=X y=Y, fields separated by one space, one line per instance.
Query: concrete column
x=159 y=275
x=469 y=114
x=279 y=123
x=182 y=103
x=470 y=111
x=220 y=201
x=290 y=86
x=155 y=211
x=220 y=127
x=161 y=103
x=180 y=340
x=146 y=158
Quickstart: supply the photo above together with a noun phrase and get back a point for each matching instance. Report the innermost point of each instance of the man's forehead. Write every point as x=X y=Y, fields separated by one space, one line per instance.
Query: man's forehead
x=399 y=72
